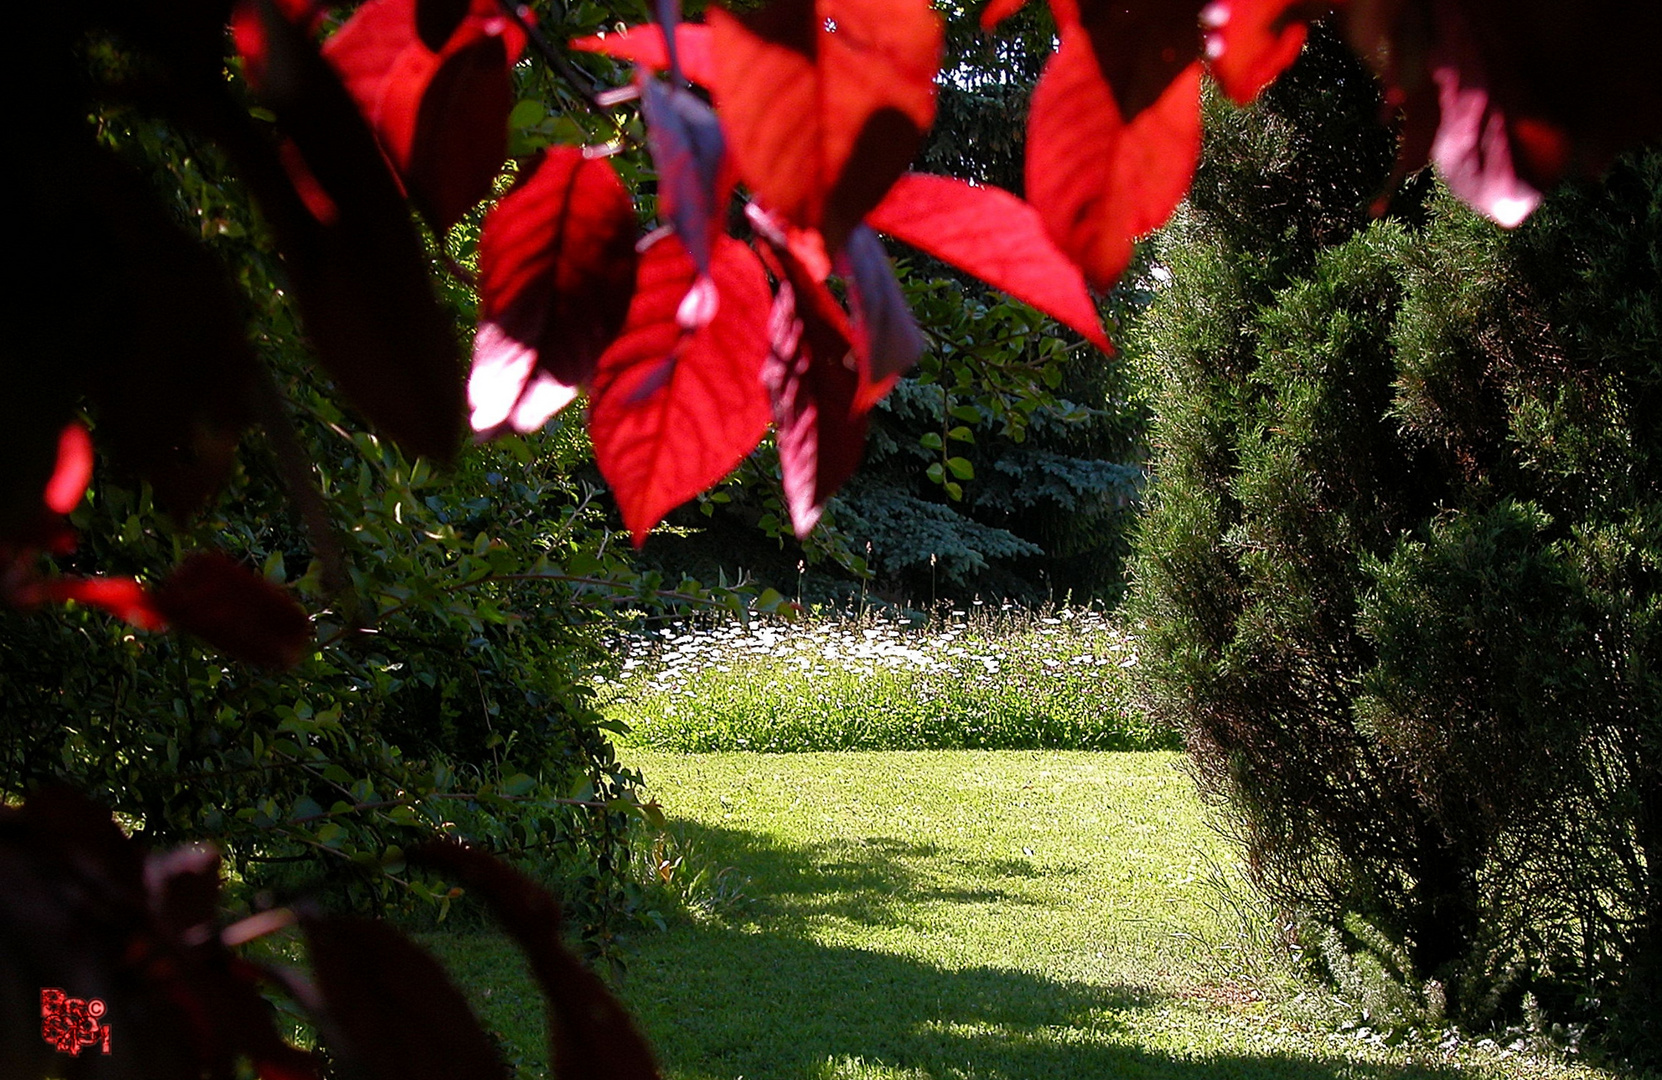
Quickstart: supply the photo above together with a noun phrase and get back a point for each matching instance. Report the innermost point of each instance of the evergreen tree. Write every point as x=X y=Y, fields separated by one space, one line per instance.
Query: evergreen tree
x=1398 y=580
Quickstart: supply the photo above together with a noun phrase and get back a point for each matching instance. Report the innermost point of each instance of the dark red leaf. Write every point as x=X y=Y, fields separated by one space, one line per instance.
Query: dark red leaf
x=826 y=102
x=164 y=355
x=393 y=1011
x=360 y=278
x=1250 y=42
x=441 y=113
x=591 y=1036
x=886 y=336
x=988 y=232
x=248 y=31
x=645 y=46
x=556 y=272
x=83 y=912
x=438 y=20
x=183 y=889
x=673 y=410
x=695 y=174
x=1519 y=94
x=235 y=610
x=1097 y=182
x=1141 y=46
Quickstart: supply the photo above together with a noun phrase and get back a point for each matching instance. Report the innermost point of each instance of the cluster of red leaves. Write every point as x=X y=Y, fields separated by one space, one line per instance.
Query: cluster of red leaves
x=86 y=908
x=692 y=342
x=819 y=105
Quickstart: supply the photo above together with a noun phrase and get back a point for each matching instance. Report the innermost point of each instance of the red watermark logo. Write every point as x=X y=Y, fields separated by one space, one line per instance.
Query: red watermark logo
x=71 y=1024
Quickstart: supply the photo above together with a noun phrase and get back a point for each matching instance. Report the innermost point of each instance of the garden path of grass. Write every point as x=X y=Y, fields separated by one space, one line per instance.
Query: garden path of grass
x=935 y=915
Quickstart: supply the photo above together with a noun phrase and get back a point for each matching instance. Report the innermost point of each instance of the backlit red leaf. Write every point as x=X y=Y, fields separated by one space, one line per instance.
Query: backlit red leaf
x=433 y=81
x=1473 y=146
x=673 y=410
x=815 y=384
x=988 y=232
x=1518 y=94
x=73 y=471
x=235 y=610
x=556 y=272
x=644 y=45
x=1098 y=182
x=1250 y=42
x=826 y=102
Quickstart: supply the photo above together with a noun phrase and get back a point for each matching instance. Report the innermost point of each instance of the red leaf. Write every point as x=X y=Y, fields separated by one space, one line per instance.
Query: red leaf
x=886 y=336
x=438 y=101
x=1250 y=42
x=556 y=271
x=645 y=46
x=73 y=471
x=672 y=410
x=360 y=278
x=826 y=101
x=396 y=1014
x=235 y=610
x=999 y=10
x=590 y=1035
x=695 y=173
x=1097 y=182
x=120 y=596
x=988 y=232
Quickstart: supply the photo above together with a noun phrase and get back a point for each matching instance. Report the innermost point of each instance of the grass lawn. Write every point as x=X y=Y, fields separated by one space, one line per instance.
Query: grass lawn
x=958 y=914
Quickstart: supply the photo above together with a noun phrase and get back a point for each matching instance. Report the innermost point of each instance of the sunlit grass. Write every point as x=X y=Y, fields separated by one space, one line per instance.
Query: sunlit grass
x=977 y=678
x=967 y=916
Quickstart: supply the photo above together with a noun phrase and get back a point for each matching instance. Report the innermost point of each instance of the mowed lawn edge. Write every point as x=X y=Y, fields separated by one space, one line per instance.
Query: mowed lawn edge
x=957 y=914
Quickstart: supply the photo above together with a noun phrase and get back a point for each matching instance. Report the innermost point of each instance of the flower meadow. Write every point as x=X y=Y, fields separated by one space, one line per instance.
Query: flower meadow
x=984 y=677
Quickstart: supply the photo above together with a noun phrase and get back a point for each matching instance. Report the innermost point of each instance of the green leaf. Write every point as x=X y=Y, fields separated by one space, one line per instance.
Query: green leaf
x=961 y=468
x=930 y=440
x=961 y=434
x=518 y=784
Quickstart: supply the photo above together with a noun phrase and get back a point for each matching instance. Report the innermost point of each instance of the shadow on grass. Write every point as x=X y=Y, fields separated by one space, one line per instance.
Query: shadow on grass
x=753 y=995
x=872 y=880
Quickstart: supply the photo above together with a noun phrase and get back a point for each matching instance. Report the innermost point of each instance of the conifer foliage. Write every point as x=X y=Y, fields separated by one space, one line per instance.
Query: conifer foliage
x=1398 y=578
